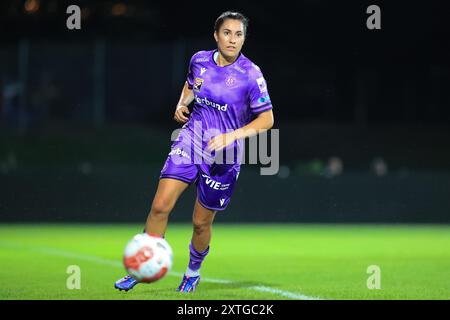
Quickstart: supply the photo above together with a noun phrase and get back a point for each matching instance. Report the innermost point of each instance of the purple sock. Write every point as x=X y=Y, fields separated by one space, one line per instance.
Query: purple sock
x=196 y=258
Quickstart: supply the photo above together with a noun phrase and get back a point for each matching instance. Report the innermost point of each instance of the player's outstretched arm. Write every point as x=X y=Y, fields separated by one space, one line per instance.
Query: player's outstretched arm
x=187 y=96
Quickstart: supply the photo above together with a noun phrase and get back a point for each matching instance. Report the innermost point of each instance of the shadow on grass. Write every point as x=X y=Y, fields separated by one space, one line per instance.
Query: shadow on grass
x=208 y=287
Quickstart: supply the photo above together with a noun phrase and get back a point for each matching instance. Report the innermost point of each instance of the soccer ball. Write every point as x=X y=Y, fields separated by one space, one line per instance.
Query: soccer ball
x=147 y=258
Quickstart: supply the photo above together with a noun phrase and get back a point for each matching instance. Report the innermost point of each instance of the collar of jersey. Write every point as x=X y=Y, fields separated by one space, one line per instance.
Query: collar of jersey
x=229 y=65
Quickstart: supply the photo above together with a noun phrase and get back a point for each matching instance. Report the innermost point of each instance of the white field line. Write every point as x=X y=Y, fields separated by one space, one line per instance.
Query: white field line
x=117 y=264
x=283 y=293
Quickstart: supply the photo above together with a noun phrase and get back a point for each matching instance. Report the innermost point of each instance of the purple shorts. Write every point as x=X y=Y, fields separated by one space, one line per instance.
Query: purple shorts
x=215 y=182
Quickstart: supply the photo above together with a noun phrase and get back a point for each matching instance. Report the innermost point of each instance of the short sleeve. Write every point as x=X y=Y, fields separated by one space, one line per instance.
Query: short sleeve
x=258 y=93
x=190 y=74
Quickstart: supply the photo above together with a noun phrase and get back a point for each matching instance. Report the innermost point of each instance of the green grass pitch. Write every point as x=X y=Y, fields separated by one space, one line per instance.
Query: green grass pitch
x=269 y=261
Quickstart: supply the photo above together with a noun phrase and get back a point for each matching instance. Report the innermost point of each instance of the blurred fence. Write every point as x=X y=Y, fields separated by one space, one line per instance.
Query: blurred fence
x=97 y=81
x=88 y=82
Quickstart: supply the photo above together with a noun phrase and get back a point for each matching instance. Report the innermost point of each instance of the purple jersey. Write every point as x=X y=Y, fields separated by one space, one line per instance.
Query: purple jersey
x=225 y=98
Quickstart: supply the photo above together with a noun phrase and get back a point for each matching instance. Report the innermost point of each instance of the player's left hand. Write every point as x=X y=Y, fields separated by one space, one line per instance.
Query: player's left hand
x=221 y=141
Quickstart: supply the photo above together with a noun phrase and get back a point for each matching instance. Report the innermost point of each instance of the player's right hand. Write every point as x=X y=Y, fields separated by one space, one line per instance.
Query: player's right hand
x=180 y=114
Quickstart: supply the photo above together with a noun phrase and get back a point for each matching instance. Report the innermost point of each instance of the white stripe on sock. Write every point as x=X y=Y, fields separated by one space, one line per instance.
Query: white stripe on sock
x=192 y=273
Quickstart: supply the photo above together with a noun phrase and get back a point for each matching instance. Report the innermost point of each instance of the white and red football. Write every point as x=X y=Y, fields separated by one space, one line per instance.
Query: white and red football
x=147 y=258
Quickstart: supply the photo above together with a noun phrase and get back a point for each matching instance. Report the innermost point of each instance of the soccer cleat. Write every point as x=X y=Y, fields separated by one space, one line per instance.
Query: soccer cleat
x=126 y=283
x=189 y=284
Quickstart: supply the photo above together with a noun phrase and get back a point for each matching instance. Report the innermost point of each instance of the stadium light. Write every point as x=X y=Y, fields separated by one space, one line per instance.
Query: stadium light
x=119 y=9
x=31 y=6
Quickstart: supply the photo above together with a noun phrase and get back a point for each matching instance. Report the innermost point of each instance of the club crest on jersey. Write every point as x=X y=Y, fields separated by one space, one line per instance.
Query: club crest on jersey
x=230 y=80
x=198 y=84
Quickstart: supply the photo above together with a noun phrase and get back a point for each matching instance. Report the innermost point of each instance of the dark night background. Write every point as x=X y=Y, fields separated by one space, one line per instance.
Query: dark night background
x=364 y=115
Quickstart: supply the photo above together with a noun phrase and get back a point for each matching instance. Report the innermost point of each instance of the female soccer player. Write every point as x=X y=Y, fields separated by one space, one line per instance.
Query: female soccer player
x=230 y=97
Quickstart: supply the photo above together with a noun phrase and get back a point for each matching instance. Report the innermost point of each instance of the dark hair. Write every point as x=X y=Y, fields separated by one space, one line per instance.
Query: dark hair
x=231 y=15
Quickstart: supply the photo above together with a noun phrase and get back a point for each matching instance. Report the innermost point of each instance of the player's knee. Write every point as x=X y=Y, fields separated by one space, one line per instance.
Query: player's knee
x=201 y=225
x=160 y=208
